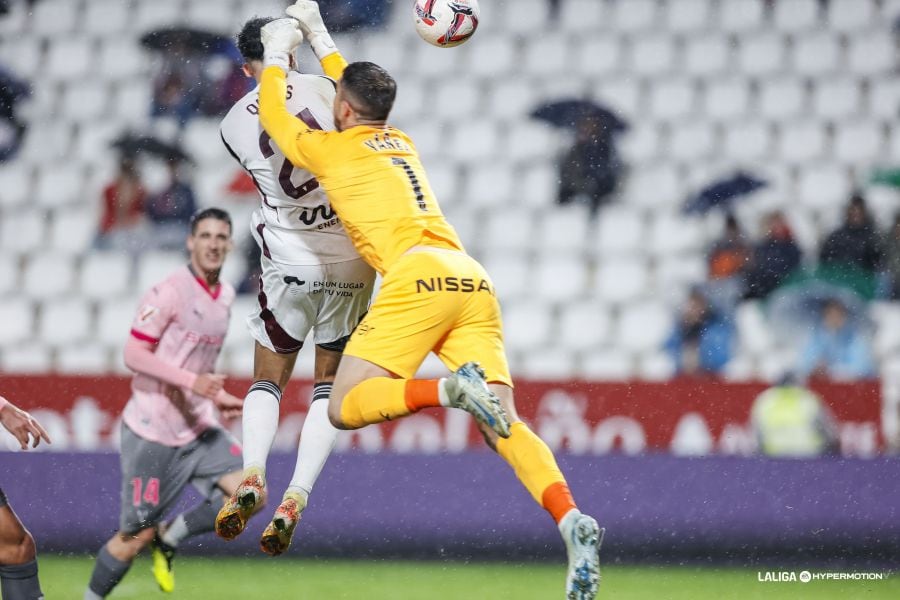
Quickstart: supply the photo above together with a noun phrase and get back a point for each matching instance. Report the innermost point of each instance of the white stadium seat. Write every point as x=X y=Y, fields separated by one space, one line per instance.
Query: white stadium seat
x=122 y=58
x=643 y=327
x=15 y=185
x=749 y=140
x=762 y=54
x=823 y=186
x=60 y=184
x=83 y=359
x=48 y=275
x=640 y=144
x=707 y=55
x=620 y=281
x=9 y=274
x=497 y=54
x=445 y=180
x=17 y=316
x=65 y=321
x=611 y=365
x=474 y=141
x=532 y=140
x=26 y=358
x=672 y=99
x=753 y=332
x=559 y=277
x=564 y=228
x=872 y=54
x=741 y=368
x=657 y=187
x=677 y=273
x=238 y=332
x=688 y=16
x=131 y=102
x=105 y=275
x=536 y=185
x=584 y=325
x=54 y=18
x=817 y=54
x=775 y=364
x=726 y=99
x=202 y=141
x=692 y=141
x=154 y=266
x=886 y=321
x=155 y=15
x=652 y=55
x=216 y=15
x=547 y=54
x=103 y=17
x=837 y=98
x=635 y=15
x=782 y=99
x=884 y=99
x=583 y=15
x=511 y=274
x=22 y=231
x=851 y=16
x=598 y=56
x=70 y=58
x=488 y=185
x=655 y=365
x=859 y=143
x=47 y=144
x=801 y=141
x=620 y=231
x=412 y=103
x=550 y=364
x=454 y=99
x=526 y=325
x=509 y=99
x=743 y=16
x=73 y=230
x=672 y=234
x=796 y=15
x=114 y=323
x=523 y=16
x=84 y=101
x=624 y=95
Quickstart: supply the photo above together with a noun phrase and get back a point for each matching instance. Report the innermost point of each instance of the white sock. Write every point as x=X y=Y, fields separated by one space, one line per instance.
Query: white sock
x=260 y=422
x=176 y=532
x=316 y=441
x=443 y=398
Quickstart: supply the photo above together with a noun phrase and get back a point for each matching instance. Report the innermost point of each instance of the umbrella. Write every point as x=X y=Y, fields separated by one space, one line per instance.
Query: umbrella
x=12 y=89
x=723 y=193
x=193 y=40
x=795 y=309
x=133 y=144
x=568 y=113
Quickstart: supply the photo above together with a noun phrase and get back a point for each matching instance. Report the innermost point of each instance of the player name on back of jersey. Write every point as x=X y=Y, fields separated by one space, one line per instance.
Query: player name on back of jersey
x=385 y=141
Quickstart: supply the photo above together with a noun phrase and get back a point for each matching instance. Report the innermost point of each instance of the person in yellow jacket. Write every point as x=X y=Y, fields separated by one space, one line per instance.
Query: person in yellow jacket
x=434 y=297
x=791 y=421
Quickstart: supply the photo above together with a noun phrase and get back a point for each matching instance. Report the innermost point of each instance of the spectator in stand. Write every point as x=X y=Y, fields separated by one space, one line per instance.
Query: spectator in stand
x=702 y=339
x=855 y=245
x=170 y=211
x=838 y=347
x=892 y=260
x=122 y=222
x=727 y=260
x=774 y=257
x=591 y=169
x=12 y=129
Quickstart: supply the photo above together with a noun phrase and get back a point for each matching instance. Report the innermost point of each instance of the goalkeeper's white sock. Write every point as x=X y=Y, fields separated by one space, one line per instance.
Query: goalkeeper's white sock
x=316 y=441
x=260 y=423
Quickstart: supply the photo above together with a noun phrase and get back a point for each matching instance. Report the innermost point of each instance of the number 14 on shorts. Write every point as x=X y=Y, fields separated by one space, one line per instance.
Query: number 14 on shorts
x=150 y=491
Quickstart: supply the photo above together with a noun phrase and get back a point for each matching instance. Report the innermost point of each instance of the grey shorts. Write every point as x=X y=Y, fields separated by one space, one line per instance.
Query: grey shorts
x=153 y=475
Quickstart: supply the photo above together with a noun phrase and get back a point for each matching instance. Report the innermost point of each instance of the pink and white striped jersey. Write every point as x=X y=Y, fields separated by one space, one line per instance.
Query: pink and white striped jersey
x=187 y=321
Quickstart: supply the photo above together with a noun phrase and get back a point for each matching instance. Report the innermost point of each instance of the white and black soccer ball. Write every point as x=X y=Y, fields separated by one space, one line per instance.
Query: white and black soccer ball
x=446 y=23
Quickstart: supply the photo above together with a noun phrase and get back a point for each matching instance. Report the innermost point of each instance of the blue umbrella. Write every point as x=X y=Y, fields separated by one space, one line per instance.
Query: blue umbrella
x=568 y=113
x=723 y=193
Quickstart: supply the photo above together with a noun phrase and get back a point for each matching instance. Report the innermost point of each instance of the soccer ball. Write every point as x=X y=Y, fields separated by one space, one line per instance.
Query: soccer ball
x=446 y=23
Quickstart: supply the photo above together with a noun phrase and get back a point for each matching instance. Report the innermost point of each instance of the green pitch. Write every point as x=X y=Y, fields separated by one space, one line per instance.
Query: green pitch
x=251 y=579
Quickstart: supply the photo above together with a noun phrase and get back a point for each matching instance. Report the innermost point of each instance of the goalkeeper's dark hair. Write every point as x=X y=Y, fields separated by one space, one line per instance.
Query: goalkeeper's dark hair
x=210 y=213
x=371 y=89
x=248 y=40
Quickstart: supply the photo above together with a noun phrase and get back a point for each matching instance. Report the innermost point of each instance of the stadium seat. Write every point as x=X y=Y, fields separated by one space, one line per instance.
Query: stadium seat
x=823 y=186
x=104 y=17
x=643 y=326
x=72 y=230
x=609 y=365
x=114 y=322
x=17 y=316
x=48 y=275
x=777 y=363
x=154 y=266
x=565 y=228
x=741 y=368
x=621 y=280
x=238 y=332
x=131 y=102
x=123 y=58
x=474 y=141
x=726 y=99
x=584 y=325
x=846 y=17
x=83 y=359
x=801 y=141
x=550 y=364
x=497 y=54
x=527 y=325
x=871 y=54
x=511 y=273
x=467 y=225
x=635 y=15
x=620 y=231
x=859 y=143
x=672 y=234
x=782 y=99
x=624 y=95
x=655 y=365
x=656 y=187
x=796 y=16
x=548 y=54
x=105 y=275
x=238 y=362
x=488 y=185
x=65 y=321
x=9 y=274
x=761 y=55
x=202 y=141
x=15 y=19
x=454 y=99
x=559 y=277
x=47 y=143
x=247 y=9
x=54 y=18
x=884 y=99
x=598 y=56
x=22 y=231
x=432 y=368
x=678 y=273
x=706 y=56
x=536 y=185
x=583 y=16
x=216 y=15
x=688 y=16
x=691 y=141
x=69 y=59
x=652 y=55
x=446 y=182
x=532 y=140
x=672 y=99
x=155 y=15
x=524 y=16
x=508 y=99
x=742 y=17
x=15 y=185
x=753 y=332
x=886 y=320
x=749 y=140
x=836 y=99
x=84 y=101
x=641 y=144
x=27 y=358
x=816 y=54
x=59 y=184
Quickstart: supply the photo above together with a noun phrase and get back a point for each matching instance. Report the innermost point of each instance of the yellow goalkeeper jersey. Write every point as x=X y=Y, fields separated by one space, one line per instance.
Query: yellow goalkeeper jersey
x=373 y=177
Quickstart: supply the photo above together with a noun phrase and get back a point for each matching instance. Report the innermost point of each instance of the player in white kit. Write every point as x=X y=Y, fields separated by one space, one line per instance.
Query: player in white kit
x=312 y=279
x=171 y=434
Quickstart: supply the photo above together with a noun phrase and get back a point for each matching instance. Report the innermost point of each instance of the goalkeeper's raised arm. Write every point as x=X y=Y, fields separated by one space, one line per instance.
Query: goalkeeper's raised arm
x=307 y=14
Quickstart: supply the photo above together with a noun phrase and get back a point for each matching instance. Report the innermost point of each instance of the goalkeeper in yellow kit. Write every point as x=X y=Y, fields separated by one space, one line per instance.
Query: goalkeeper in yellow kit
x=434 y=297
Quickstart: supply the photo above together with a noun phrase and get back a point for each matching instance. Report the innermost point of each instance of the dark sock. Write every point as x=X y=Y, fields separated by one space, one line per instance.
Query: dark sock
x=202 y=518
x=108 y=572
x=20 y=582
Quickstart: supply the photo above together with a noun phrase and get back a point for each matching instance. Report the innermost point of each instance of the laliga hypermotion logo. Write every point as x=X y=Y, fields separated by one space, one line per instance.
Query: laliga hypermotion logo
x=460 y=10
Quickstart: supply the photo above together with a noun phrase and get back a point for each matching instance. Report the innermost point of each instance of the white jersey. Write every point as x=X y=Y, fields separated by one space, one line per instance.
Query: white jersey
x=295 y=223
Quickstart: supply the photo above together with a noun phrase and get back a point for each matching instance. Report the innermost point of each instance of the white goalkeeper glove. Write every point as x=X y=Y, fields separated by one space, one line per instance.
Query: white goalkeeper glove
x=307 y=12
x=279 y=39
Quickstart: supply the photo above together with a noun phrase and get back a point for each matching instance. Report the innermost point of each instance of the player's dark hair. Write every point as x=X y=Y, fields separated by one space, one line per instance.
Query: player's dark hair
x=371 y=89
x=210 y=213
x=249 y=42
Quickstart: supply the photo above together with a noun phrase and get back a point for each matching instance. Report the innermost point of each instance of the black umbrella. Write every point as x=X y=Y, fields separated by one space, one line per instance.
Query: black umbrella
x=723 y=193
x=132 y=145
x=192 y=40
x=568 y=113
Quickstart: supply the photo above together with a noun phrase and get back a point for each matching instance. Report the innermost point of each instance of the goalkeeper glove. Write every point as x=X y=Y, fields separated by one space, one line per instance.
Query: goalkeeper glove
x=280 y=38
x=307 y=12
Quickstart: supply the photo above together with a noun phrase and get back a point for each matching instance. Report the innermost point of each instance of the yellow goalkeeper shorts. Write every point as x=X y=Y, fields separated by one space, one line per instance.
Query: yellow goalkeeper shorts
x=433 y=300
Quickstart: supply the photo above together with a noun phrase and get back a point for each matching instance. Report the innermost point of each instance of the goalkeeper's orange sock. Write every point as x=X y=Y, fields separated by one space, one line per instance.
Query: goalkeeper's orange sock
x=536 y=468
x=384 y=399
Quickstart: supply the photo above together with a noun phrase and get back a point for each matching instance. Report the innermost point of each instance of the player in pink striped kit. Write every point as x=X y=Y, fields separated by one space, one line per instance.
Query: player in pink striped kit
x=170 y=431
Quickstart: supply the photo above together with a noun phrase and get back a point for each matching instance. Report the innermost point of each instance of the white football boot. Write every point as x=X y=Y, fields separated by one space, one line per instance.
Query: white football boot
x=583 y=537
x=467 y=389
